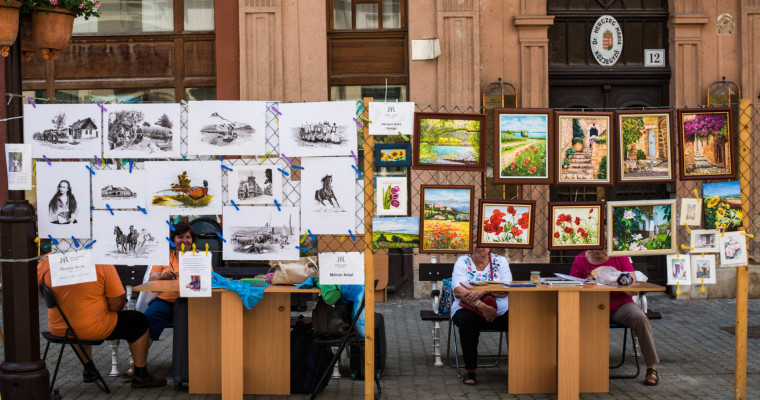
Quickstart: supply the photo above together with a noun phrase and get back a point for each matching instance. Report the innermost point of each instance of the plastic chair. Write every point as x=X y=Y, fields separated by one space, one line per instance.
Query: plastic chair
x=70 y=338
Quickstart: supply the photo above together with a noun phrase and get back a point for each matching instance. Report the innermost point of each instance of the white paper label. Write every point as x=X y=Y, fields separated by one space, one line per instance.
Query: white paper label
x=391 y=118
x=194 y=274
x=72 y=268
x=341 y=268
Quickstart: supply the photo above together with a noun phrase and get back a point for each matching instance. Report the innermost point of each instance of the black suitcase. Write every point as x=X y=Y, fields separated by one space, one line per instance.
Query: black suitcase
x=354 y=358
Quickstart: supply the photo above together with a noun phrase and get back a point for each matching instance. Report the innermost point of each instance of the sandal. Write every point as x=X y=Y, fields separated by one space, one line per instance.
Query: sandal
x=469 y=378
x=652 y=378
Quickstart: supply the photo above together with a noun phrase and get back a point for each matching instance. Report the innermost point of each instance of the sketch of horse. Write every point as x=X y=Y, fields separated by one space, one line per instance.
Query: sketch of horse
x=144 y=237
x=121 y=240
x=326 y=193
x=132 y=238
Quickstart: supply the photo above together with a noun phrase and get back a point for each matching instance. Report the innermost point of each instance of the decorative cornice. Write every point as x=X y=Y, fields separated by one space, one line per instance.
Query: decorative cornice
x=689 y=19
x=534 y=20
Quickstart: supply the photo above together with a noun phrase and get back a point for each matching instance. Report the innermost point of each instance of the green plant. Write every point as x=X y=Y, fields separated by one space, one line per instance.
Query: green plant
x=570 y=152
x=601 y=140
x=577 y=140
x=565 y=162
x=602 y=168
x=80 y=8
x=641 y=155
x=577 y=130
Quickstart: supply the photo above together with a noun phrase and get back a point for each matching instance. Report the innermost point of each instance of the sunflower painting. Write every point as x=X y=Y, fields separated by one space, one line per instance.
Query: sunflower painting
x=506 y=224
x=723 y=205
x=393 y=154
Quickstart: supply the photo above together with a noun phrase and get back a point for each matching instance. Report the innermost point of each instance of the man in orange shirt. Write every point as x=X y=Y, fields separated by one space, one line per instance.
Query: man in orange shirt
x=94 y=310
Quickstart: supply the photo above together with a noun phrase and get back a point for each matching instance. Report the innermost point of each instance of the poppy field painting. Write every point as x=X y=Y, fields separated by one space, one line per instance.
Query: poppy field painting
x=506 y=224
x=576 y=225
x=446 y=224
x=522 y=146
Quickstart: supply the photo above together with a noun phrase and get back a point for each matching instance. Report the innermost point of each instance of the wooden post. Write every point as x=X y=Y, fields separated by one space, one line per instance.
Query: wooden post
x=744 y=157
x=369 y=259
x=740 y=347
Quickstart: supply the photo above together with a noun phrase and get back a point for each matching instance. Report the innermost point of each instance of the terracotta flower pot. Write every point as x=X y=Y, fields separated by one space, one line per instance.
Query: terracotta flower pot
x=8 y=25
x=578 y=147
x=26 y=38
x=52 y=30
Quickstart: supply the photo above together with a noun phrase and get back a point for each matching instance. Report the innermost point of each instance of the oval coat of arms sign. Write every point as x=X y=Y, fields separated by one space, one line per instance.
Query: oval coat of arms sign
x=606 y=40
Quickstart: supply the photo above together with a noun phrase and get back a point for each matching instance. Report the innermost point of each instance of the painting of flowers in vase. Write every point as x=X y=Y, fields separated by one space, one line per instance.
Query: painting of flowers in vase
x=506 y=224
x=583 y=151
x=707 y=149
x=576 y=225
x=646 y=149
x=391 y=196
x=723 y=205
x=446 y=223
x=641 y=228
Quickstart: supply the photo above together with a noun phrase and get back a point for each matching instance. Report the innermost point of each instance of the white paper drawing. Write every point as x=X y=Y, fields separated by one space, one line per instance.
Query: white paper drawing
x=63 y=130
x=328 y=195
x=130 y=237
x=260 y=233
x=63 y=200
x=184 y=187
x=391 y=118
x=704 y=240
x=226 y=127
x=194 y=274
x=255 y=184
x=18 y=158
x=391 y=196
x=118 y=189
x=691 y=212
x=733 y=249
x=679 y=269
x=142 y=130
x=318 y=129
x=703 y=269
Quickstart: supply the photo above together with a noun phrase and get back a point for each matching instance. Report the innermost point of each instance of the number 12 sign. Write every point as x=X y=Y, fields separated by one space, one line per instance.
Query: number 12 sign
x=654 y=57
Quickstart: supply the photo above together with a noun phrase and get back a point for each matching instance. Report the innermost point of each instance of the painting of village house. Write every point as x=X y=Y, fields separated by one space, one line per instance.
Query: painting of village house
x=646 y=150
x=641 y=228
x=130 y=237
x=449 y=141
x=63 y=130
x=261 y=233
x=255 y=184
x=226 y=127
x=706 y=139
x=318 y=129
x=118 y=189
x=446 y=223
x=184 y=188
x=142 y=130
x=583 y=150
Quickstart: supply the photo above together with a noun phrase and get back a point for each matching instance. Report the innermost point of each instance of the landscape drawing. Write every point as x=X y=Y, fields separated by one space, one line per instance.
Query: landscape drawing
x=63 y=130
x=584 y=149
x=226 y=127
x=641 y=227
x=679 y=269
x=328 y=192
x=130 y=238
x=142 y=130
x=118 y=189
x=522 y=146
x=184 y=188
x=261 y=233
x=254 y=184
x=449 y=141
x=63 y=200
x=703 y=269
x=723 y=205
x=446 y=223
x=318 y=129
x=646 y=147
x=396 y=232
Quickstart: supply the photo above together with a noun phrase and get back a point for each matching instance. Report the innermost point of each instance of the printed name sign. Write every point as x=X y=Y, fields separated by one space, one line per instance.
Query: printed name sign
x=341 y=268
x=391 y=118
x=71 y=268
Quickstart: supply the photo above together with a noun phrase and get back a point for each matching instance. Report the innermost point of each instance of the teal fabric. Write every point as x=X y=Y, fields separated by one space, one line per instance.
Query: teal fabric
x=307 y=284
x=250 y=295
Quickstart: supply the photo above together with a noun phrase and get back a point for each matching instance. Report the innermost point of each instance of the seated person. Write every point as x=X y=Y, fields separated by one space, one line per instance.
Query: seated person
x=161 y=309
x=482 y=265
x=623 y=310
x=94 y=310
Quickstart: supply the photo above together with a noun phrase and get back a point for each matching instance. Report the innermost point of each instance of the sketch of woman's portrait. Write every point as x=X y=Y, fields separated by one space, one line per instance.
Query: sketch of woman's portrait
x=63 y=206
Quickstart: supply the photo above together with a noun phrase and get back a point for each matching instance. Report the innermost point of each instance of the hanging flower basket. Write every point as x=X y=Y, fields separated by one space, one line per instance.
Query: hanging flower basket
x=26 y=38
x=9 y=12
x=51 y=29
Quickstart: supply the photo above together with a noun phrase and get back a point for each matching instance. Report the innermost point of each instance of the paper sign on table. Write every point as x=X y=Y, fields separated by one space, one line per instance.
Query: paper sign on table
x=18 y=157
x=71 y=268
x=194 y=274
x=341 y=268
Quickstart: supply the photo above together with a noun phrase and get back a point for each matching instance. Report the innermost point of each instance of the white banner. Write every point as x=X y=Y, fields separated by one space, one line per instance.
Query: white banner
x=341 y=268
x=72 y=268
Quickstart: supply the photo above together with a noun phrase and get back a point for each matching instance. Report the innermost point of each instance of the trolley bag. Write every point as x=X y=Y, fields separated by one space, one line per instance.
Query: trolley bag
x=355 y=359
x=307 y=361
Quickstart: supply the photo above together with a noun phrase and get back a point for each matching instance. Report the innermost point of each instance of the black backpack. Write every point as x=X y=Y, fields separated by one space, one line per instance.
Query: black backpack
x=329 y=320
x=307 y=361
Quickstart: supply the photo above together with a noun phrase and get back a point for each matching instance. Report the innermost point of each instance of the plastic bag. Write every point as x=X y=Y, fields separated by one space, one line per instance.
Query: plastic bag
x=606 y=275
x=355 y=293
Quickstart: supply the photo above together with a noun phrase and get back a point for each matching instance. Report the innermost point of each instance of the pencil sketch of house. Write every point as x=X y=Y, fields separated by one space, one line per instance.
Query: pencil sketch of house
x=84 y=128
x=113 y=192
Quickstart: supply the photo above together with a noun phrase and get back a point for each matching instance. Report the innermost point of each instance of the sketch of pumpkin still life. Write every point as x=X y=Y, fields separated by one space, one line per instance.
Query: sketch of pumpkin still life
x=183 y=194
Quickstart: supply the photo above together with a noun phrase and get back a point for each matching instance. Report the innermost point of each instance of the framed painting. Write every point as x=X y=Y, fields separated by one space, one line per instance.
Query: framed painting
x=396 y=232
x=576 y=225
x=690 y=212
x=393 y=154
x=523 y=146
x=703 y=269
x=449 y=141
x=679 y=269
x=706 y=142
x=645 y=153
x=733 y=249
x=583 y=148
x=446 y=222
x=723 y=205
x=704 y=240
x=391 y=196
x=641 y=228
x=506 y=224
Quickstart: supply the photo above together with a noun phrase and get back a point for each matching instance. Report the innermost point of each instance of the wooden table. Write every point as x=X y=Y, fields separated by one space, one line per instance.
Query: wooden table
x=235 y=351
x=559 y=337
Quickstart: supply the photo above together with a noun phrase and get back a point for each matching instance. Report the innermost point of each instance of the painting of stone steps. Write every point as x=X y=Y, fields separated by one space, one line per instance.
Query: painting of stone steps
x=583 y=148
x=706 y=143
x=645 y=154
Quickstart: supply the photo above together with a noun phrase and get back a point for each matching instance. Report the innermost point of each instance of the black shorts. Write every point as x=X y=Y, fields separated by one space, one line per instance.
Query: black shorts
x=130 y=326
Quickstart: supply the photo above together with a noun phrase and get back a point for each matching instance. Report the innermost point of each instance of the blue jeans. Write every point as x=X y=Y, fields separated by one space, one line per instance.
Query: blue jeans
x=160 y=313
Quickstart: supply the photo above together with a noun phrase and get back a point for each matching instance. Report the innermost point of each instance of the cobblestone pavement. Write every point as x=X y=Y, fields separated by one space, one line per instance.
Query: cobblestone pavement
x=697 y=360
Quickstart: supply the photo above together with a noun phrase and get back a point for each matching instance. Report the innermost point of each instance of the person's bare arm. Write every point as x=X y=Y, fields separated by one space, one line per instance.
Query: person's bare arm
x=470 y=296
x=162 y=276
x=116 y=303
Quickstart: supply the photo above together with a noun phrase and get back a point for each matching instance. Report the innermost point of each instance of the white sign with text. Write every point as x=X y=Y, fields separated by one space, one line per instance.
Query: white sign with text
x=341 y=268
x=391 y=118
x=72 y=268
x=194 y=274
